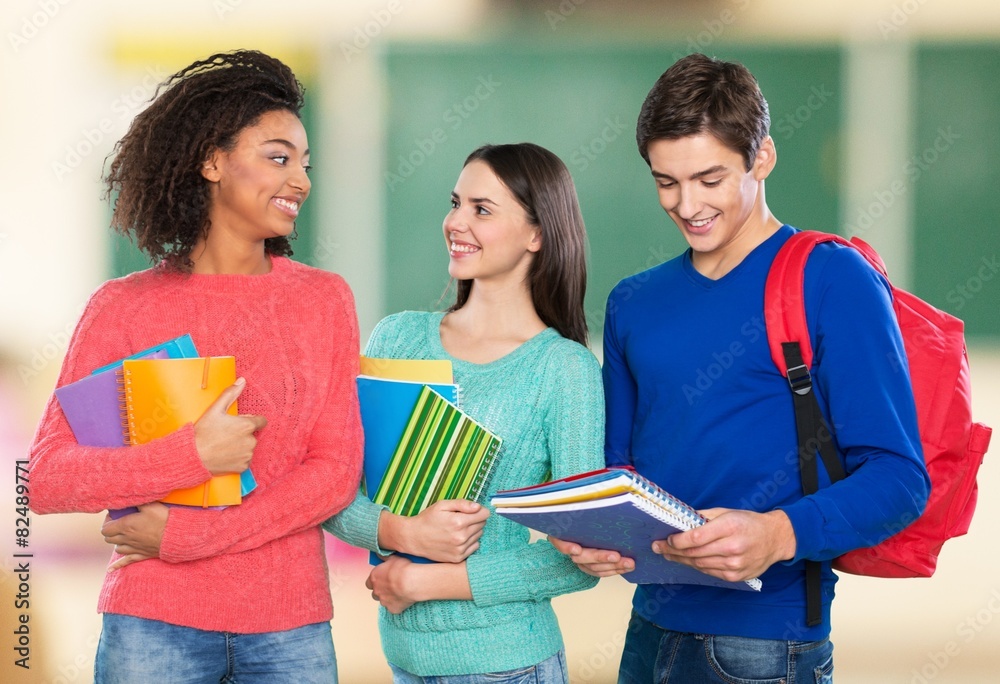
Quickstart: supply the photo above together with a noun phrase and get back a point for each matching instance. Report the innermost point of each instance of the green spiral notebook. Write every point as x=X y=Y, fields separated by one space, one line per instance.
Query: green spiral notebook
x=442 y=454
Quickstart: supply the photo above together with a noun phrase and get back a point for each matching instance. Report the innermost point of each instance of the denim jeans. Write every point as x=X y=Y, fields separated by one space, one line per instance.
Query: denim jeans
x=133 y=650
x=549 y=671
x=657 y=656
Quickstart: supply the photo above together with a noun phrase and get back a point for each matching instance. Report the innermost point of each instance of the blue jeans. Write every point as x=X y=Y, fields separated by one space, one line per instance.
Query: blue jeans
x=653 y=655
x=549 y=671
x=134 y=650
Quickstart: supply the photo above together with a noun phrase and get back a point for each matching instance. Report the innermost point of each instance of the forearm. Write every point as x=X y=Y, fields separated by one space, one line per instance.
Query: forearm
x=290 y=504
x=438 y=582
x=872 y=503
x=67 y=477
x=533 y=572
x=361 y=524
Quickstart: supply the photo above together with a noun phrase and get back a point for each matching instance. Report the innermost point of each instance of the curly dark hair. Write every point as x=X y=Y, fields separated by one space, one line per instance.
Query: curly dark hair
x=162 y=199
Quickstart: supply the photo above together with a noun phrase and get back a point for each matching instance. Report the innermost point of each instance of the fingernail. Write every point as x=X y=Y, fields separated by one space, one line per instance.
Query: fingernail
x=240 y=381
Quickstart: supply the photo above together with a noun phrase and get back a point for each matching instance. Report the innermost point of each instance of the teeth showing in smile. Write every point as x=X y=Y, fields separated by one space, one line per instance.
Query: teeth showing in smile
x=700 y=223
x=291 y=206
x=463 y=249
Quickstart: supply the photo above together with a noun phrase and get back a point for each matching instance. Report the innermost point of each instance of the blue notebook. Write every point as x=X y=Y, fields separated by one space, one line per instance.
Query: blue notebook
x=177 y=348
x=386 y=405
x=615 y=509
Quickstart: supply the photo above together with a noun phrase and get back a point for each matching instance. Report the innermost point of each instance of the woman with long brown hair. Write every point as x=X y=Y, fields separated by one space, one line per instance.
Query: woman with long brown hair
x=516 y=338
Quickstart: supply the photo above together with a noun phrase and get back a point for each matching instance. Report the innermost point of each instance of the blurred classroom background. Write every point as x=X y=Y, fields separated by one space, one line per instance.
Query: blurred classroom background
x=886 y=116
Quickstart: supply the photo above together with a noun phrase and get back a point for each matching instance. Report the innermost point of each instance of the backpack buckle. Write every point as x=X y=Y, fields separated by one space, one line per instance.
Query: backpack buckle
x=800 y=380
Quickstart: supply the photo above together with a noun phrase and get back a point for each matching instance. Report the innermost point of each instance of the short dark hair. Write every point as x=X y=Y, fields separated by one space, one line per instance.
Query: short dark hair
x=700 y=94
x=162 y=198
x=557 y=277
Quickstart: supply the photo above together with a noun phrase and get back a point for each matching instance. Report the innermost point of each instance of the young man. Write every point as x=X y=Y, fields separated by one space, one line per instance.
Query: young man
x=695 y=403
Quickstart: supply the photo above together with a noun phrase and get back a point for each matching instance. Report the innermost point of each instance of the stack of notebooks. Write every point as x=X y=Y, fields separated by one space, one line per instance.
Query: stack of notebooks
x=150 y=395
x=615 y=509
x=420 y=447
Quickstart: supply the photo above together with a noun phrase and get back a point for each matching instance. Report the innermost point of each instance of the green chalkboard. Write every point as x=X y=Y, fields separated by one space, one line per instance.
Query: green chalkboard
x=581 y=101
x=955 y=176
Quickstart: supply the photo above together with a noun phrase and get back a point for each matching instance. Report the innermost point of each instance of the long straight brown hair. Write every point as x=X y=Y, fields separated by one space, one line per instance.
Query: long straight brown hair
x=557 y=277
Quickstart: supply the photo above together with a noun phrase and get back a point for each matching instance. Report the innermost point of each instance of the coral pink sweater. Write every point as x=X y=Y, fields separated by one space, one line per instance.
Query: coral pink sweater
x=259 y=566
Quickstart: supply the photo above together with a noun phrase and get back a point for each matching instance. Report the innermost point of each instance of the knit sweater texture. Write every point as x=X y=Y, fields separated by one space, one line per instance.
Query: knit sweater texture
x=258 y=566
x=545 y=400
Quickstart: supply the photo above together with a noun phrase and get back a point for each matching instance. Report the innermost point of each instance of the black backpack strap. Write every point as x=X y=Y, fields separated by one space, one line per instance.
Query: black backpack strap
x=814 y=435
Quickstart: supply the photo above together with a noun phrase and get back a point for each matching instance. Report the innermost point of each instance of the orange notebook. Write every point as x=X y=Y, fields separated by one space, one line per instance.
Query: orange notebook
x=162 y=395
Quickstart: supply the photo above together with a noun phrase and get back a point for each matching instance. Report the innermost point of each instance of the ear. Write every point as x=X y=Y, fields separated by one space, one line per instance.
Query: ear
x=767 y=157
x=210 y=168
x=536 y=240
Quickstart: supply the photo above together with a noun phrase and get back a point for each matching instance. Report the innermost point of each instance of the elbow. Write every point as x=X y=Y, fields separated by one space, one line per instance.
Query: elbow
x=36 y=487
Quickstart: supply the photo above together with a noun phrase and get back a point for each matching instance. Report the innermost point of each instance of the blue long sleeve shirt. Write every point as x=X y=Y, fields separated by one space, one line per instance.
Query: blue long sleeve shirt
x=695 y=403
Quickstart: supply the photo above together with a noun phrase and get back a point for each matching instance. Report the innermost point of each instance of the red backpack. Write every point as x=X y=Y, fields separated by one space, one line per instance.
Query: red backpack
x=953 y=445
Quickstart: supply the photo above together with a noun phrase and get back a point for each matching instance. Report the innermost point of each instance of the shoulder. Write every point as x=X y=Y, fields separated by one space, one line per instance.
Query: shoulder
x=123 y=291
x=568 y=358
x=315 y=284
x=310 y=276
x=837 y=267
x=647 y=281
x=406 y=330
x=404 y=322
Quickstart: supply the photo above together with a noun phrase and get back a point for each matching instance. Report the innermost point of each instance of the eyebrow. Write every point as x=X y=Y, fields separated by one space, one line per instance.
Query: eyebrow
x=286 y=143
x=476 y=200
x=718 y=168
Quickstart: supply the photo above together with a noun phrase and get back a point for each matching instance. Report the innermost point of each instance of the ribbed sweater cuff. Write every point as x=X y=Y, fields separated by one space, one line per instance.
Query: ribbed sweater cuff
x=176 y=456
x=358 y=524
x=492 y=583
x=183 y=534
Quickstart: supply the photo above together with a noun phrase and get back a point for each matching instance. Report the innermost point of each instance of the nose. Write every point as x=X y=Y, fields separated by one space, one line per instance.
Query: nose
x=687 y=204
x=300 y=181
x=455 y=222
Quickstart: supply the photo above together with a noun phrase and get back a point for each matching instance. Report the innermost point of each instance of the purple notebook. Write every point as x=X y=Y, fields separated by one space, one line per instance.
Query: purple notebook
x=92 y=406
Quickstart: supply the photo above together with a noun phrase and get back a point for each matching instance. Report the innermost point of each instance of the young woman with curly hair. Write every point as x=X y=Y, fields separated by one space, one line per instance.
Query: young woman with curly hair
x=209 y=181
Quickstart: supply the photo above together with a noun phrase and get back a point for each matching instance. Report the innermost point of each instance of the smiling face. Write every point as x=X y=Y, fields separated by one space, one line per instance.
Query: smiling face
x=717 y=204
x=487 y=232
x=259 y=185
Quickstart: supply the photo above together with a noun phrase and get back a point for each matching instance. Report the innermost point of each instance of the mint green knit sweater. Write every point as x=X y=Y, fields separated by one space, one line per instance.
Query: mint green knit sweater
x=545 y=400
